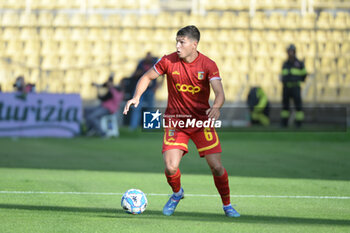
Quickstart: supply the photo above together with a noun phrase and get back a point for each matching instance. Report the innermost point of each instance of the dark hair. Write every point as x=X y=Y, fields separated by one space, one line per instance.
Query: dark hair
x=190 y=31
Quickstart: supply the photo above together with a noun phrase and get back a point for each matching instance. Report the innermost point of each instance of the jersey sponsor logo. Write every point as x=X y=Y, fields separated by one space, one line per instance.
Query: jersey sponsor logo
x=187 y=88
x=200 y=75
x=175 y=72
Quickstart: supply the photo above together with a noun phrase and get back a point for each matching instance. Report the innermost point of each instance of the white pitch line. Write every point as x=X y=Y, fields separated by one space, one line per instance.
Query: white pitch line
x=188 y=195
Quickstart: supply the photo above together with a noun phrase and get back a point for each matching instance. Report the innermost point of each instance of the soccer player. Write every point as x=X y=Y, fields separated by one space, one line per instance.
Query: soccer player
x=189 y=76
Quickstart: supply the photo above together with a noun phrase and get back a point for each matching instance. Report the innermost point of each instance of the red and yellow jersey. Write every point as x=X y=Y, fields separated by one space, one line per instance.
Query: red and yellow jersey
x=188 y=84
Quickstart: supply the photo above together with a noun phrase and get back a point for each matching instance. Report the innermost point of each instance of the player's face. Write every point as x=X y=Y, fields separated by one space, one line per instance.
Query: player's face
x=185 y=46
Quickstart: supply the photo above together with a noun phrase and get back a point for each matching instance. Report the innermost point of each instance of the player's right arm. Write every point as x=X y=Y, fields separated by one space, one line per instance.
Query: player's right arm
x=141 y=87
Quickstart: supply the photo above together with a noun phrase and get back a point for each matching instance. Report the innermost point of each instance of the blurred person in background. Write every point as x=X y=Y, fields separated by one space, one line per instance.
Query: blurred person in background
x=110 y=102
x=293 y=73
x=259 y=106
x=21 y=86
x=147 y=99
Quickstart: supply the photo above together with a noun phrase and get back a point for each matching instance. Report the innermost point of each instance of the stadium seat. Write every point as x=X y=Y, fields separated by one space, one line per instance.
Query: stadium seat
x=322 y=36
x=224 y=36
x=178 y=20
x=45 y=19
x=287 y=37
x=83 y=48
x=31 y=47
x=276 y=65
x=243 y=49
x=275 y=20
x=2 y=49
x=235 y=5
x=345 y=49
x=325 y=20
x=329 y=94
x=146 y=21
x=66 y=48
x=272 y=36
x=68 y=62
x=227 y=20
x=264 y=4
x=84 y=61
x=29 y=34
x=243 y=65
x=114 y=20
x=326 y=65
x=342 y=65
x=330 y=50
x=49 y=47
x=96 y=20
x=342 y=20
x=43 y=4
x=61 y=20
x=27 y=20
x=211 y=20
x=344 y=94
x=216 y=5
x=150 y=4
x=240 y=36
x=308 y=21
x=310 y=64
x=78 y=20
x=94 y=34
x=127 y=34
x=50 y=62
x=15 y=4
x=292 y=20
x=129 y=21
x=101 y=48
x=32 y=60
x=144 y=35
x=163 y=20
x=306 y=36
x=66 y=4
x=256 y=36
x=258 y=20
x=277 y=50
x=208 y=35
x=14 y=47
x=106 y=34
x=338 y=36
x=78 y=34
x=61 y=34
x=242 y=20
x=10 y=19
x=130 y=4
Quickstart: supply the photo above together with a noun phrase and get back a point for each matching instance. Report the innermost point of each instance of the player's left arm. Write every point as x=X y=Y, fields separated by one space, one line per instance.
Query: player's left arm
x=214 y=111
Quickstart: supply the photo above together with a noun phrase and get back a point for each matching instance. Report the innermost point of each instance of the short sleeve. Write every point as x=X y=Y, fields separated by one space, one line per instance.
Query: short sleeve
x=161 y=65
x=213 y=71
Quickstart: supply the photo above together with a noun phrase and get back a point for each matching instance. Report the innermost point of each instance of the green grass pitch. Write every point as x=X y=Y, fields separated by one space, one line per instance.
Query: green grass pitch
x=76 y=176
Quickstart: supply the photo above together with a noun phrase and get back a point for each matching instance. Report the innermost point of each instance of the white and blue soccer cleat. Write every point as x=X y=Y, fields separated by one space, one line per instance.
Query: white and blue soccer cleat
x=231 y=212
x=170 y=206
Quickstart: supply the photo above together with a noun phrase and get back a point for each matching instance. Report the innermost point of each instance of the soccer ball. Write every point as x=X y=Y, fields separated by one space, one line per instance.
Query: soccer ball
x=134 y=201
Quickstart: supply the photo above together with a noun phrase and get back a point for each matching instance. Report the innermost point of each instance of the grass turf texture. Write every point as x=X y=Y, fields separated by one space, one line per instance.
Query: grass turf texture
x=305 y=164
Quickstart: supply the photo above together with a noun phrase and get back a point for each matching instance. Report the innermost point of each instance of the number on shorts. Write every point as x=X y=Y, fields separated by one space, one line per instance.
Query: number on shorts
x=208 y=134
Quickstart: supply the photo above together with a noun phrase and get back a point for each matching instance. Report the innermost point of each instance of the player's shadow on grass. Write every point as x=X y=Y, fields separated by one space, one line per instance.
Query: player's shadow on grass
x=182 y=216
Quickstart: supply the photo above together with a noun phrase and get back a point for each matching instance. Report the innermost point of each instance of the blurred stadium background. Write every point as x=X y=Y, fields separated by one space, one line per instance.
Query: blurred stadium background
x=64 y=45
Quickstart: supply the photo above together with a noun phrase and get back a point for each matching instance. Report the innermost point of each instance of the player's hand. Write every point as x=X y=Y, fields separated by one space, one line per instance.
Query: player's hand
x=134 y=102
x=213 y=113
